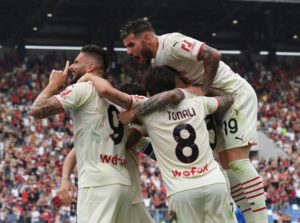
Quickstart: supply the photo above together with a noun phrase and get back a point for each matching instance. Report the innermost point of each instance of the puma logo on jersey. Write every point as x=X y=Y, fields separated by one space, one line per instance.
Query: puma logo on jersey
x=185 y=113
x=175 y=44
x=240 y=138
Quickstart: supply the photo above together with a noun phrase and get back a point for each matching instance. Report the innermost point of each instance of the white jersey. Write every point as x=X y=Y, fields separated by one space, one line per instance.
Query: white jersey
x=181 y=145
x=182 y=53
x=99 y=138
x=133 y=169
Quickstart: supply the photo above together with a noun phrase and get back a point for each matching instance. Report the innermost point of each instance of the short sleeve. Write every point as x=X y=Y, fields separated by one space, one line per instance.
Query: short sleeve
x=74 y=96
x=184 y=47
x=211 y=104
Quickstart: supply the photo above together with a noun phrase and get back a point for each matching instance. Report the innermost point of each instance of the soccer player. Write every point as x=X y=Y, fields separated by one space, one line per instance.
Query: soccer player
x=99 y=139
x=139 y=212
x=195 y=185
x=201 y=65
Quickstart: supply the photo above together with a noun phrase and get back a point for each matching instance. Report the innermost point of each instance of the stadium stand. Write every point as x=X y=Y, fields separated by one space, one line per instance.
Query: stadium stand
x=32 y=152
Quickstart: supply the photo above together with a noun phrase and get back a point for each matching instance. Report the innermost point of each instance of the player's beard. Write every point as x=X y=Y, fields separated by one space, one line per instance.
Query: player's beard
x=75 y=76
x=146 y=54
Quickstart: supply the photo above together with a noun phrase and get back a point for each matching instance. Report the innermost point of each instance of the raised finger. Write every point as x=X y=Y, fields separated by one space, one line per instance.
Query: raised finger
x=67 y=67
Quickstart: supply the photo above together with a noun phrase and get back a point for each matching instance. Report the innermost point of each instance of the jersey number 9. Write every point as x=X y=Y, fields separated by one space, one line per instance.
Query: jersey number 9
x=118 y=130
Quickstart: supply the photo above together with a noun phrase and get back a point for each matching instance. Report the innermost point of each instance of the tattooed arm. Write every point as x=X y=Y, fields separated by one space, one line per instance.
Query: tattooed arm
x=152 y=104
x=211 y=58
x=225 y=100
x=158 y=101
x=45 y=104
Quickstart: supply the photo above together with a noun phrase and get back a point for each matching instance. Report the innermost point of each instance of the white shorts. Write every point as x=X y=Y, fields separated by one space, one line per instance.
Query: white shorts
x=209 y=204
x=140 y=214
x=237 y=127
x=104 y=204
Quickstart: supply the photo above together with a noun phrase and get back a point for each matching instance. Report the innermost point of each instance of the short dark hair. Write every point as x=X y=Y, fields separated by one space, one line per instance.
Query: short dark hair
x=97 y=53
x=133 y=89
x=159 y=79
x=136 y=27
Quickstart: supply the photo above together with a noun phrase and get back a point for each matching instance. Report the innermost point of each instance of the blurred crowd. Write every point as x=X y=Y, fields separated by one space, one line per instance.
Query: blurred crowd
x=32 y=151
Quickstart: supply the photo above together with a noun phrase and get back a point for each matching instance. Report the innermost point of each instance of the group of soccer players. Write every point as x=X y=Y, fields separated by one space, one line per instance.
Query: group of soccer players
x=173 y=118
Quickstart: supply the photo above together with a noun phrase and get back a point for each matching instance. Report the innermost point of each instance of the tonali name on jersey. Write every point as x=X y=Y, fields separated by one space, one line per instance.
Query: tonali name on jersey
x=185 y=113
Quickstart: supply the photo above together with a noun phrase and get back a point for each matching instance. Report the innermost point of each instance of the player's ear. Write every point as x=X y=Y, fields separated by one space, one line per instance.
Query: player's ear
x=148 y=94
x=91 y=67
x=147 y=37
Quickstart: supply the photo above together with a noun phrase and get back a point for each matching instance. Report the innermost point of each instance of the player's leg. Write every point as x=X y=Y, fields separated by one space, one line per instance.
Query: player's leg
x=82 y=205
x=238 y=196
x=239 y=130
x=140 y=213
x=123 y=204
x=217 y=206
x=208 y=204
x=104 y=204
x=217 y=141
x=187 y=206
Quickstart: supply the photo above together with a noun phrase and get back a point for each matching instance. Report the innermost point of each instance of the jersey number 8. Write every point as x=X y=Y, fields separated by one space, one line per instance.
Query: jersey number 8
x=185 y=142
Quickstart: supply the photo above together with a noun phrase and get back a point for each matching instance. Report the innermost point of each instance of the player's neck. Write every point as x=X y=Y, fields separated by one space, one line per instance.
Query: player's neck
x=154 y=46
x=99 y=73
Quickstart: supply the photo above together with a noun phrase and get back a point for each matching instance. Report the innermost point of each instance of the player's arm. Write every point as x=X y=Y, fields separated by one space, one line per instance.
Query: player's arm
x=45 y=104
x=211 y=58
x=143 y=144
x=158 y=101
x=105 y=89
x=142 y=108
x=224 y=100
x=66 y=186
x=134 y=136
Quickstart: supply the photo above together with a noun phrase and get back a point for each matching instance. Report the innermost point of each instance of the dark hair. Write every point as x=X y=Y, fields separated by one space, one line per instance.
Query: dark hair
x=98 y=53
x=136 y=27
x=159 y=79
x=133 y=89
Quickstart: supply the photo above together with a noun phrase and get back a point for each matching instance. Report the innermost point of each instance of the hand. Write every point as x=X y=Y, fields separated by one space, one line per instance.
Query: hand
x=195 y=90
x=66 y=191
x=58 y=78
x=126 y=117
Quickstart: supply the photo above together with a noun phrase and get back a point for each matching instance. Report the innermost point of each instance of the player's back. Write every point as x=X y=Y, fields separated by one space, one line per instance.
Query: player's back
x=181 y=52
x=180 y=140
x=99 y=138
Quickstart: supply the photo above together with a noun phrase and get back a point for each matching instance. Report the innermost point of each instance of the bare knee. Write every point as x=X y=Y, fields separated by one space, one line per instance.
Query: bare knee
x=230 y=155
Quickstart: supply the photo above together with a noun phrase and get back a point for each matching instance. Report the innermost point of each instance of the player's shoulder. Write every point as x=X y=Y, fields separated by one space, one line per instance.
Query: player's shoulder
x=199 y=100
x=171 y=38
x=87 y=84
x=86 y=89
x=174 y=35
